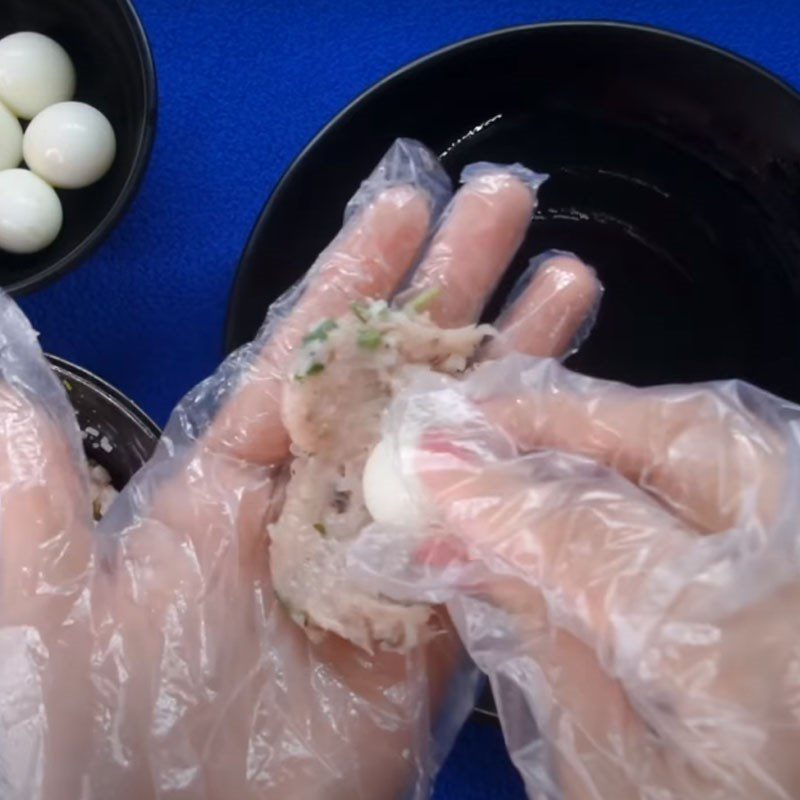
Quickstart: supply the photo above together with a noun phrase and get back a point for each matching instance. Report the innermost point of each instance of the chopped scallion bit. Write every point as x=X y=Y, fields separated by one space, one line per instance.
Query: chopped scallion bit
x=421 y=302
x=320 y=333
x=67 y=385
x=320 y=528
x=314 y=369
x=361 y=310
x=370 y=338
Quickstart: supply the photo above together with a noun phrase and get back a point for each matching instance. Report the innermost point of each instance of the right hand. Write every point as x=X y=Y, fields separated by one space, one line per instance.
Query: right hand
x=625 y=565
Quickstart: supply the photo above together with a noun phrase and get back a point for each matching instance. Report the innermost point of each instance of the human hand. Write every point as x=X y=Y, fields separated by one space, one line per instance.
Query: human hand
x=149 y=658
x=624 y=564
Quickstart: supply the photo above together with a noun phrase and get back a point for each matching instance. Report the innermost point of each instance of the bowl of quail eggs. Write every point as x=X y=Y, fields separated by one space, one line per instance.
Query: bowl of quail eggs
x=77 y=119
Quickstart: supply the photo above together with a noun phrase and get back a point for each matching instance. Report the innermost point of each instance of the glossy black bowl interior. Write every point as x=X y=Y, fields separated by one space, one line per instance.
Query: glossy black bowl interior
x=675 y=171
x=115 y=73
x=118 y=435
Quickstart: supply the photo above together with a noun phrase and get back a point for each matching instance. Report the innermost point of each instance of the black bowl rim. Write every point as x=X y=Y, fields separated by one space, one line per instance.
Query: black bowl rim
x=144 y=147
x=109 y=393
x=238 y=284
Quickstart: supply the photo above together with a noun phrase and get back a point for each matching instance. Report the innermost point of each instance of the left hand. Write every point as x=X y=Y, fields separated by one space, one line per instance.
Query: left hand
x=149 y=657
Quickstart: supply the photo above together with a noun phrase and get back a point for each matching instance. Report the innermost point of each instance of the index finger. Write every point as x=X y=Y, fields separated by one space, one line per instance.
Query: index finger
x=369 y=258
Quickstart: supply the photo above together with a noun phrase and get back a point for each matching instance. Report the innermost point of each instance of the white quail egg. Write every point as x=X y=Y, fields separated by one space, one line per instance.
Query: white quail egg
x=30 y=212
x=70 y=145
x=35 y=72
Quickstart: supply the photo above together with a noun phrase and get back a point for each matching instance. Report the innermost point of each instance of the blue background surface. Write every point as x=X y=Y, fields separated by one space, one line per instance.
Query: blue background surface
x=244 y=84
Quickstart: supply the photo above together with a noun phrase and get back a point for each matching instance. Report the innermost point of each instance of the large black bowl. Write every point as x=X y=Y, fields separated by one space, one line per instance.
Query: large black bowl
x=115 y=73
x=118 y=435
x=675 y=171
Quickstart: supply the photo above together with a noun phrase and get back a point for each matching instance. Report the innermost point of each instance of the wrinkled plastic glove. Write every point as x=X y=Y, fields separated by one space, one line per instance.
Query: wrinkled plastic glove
x=148 y=657
x=625 y=566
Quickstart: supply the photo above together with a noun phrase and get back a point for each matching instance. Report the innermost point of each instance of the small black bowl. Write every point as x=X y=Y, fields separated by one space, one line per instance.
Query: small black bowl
x=675 y=171
x=115 y=73
x=118 y=435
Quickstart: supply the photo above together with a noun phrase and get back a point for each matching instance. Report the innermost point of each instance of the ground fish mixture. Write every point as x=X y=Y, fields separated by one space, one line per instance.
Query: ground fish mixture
x=343 y=379
x=102 y=492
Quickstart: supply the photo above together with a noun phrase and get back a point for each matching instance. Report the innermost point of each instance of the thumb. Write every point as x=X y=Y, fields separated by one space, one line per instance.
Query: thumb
x=605 y=557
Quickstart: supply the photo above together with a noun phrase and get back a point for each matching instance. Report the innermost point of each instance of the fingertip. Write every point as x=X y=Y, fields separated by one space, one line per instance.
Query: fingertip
x=503 y=192
x=417 y=206
x=413 y=200
x=461 y=481
x=552 y=310
x=565 y=270
x=390 y=233
x=497 y=176
x=577 y=285
x=442 y=464
x=408 y=162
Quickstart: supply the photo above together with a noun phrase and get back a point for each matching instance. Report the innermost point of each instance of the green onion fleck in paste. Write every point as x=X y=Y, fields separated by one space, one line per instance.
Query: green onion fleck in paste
x=320 y=333
x=314 y=369
x=421 y=302
x=320 y=528
x=369 y=338
x=361 y=310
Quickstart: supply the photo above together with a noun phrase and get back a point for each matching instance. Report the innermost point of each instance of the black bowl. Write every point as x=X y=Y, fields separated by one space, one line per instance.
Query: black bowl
x=115 y=73
x=675 y=171
x=118 y=435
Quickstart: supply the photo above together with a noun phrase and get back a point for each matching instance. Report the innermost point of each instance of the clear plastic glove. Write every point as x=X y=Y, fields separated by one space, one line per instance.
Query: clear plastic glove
x=625 y=566
x=148 y=657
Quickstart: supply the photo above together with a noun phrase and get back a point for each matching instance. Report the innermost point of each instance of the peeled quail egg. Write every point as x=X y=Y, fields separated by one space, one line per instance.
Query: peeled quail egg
x=389 y=495
x=30 y=212
x=70 y=145
x=10 y=139
x=35 y=72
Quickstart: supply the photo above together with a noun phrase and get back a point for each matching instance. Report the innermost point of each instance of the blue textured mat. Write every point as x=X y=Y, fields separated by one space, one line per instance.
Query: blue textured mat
x=244 y=84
